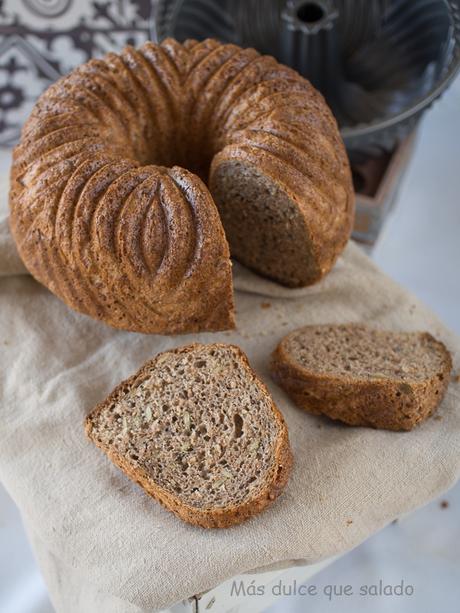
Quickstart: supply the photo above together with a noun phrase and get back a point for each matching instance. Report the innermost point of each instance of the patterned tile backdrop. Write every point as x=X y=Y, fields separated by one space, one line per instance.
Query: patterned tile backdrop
x=40 y=40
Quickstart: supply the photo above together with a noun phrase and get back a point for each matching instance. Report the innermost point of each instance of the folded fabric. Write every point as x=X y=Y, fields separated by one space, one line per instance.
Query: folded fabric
x=99 y=535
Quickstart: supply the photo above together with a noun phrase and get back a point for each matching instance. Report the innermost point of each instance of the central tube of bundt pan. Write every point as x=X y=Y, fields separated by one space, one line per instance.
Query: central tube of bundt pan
x=309 y=42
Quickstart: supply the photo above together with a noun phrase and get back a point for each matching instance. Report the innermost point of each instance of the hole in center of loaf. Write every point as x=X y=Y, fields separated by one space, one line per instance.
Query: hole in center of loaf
x=238 y=425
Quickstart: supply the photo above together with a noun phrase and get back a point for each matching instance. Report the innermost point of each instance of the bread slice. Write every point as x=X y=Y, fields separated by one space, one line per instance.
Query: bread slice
x=199 y=432
x=362 y=376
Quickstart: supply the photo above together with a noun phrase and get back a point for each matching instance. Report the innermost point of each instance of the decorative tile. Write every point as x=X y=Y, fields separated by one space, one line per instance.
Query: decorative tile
x=41 y=40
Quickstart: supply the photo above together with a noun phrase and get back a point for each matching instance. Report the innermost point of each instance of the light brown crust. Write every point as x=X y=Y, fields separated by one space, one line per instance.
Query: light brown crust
x=382 y=403
x=222 y=517
x=103 y=218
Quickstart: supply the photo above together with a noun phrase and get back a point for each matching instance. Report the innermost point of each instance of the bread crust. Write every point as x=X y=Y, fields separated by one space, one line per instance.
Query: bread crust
x=103 y=212
x=219 y=517
x=378 y=403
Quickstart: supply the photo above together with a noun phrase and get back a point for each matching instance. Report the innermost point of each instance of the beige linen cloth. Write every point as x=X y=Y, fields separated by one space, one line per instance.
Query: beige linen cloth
x=103 y=545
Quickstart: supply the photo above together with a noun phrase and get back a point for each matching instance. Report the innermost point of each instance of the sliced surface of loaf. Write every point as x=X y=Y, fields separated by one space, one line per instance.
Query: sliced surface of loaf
x=106 y=216
x=363 y=376
x=199 y=432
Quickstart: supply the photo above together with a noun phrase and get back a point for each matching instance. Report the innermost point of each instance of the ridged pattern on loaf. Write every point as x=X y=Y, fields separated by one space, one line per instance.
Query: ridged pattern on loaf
x=103 y=217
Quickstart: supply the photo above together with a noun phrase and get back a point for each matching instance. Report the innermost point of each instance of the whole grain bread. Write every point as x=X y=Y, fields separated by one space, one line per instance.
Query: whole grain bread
x=105 y=215
x=199 y=432
x=363 y=376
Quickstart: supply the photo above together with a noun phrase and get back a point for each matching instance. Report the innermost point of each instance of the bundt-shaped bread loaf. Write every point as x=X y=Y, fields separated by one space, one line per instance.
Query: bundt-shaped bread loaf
x=106 y=216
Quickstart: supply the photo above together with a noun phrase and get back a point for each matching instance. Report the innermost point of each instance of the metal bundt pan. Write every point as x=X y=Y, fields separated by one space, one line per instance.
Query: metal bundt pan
x=379 y=63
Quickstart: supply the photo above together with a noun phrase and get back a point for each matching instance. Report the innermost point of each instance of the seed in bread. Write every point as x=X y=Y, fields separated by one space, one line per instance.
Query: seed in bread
x=362 y=376
x=199 y=432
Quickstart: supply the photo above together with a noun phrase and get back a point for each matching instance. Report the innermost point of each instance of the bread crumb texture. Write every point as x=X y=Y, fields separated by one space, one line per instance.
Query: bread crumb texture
x=363 y=376
x=198 y=425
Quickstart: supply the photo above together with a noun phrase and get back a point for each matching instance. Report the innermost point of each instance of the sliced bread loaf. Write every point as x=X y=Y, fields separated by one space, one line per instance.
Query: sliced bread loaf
x=362 y=376
x=199 y=432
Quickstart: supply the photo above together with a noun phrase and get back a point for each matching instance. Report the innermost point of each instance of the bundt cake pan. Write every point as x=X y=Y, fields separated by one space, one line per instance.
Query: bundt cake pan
x=380 y=63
